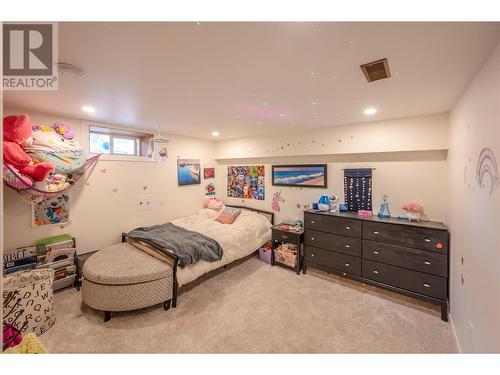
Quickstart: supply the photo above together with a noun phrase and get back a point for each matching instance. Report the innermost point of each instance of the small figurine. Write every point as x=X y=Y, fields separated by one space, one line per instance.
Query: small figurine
x=384 y=208
x=343 y=207
x=333 y=203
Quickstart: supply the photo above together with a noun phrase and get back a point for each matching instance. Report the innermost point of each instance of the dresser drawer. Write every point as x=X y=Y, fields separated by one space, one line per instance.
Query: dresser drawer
x=423 y=283
x=331 y=259
x=335 y=242
x=421 y=238
x=418 y=260
x=333 y=224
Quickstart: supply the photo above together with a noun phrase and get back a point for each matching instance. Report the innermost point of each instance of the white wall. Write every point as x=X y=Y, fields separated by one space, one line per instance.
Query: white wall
x=98 y=215
x=405 y=177
x=421 y=133
x=409 y=156
x=474 y=214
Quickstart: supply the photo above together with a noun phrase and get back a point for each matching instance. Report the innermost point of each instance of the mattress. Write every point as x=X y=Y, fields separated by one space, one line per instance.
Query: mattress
x=249 y=231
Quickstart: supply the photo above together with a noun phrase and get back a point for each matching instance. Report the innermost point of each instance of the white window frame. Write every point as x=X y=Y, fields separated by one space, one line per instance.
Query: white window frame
x=114 y=157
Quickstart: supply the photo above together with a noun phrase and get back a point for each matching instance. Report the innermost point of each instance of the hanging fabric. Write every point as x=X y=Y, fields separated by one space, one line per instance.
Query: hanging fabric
x=358 y=189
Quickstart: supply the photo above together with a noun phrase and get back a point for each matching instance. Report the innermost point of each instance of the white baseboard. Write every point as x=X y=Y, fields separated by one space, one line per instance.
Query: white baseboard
x=455 y=334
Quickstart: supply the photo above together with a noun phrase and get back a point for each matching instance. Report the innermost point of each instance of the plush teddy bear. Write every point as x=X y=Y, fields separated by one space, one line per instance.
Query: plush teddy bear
x=16 y=134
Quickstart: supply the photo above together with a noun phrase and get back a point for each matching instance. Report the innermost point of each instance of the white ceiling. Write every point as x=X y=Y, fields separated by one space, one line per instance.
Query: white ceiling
x=244 y=79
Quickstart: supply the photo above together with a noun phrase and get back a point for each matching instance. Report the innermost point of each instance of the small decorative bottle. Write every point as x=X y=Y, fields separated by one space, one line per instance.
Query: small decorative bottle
x=384 y=207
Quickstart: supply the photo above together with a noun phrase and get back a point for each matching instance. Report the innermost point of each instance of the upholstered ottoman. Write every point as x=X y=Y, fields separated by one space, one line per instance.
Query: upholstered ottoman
x=122 y=278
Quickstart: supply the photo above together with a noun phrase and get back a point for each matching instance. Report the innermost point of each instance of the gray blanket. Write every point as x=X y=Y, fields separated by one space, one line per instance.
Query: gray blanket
x=189 y=246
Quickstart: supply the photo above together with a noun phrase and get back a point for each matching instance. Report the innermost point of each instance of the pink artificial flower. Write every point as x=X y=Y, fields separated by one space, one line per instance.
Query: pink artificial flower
x=413 y=207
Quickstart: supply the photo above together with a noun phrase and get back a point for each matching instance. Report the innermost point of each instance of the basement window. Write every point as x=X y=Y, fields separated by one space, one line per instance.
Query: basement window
x=119 y=142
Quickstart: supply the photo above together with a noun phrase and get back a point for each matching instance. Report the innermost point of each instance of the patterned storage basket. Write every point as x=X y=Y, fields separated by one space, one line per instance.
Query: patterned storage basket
x=286 y=254
x=28 y=301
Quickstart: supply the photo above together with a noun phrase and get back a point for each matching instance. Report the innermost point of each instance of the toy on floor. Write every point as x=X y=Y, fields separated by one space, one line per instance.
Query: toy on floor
x=17 y=136
x=30 y=344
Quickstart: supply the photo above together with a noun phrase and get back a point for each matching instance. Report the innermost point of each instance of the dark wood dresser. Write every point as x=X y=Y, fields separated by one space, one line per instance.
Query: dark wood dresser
x=406 y=257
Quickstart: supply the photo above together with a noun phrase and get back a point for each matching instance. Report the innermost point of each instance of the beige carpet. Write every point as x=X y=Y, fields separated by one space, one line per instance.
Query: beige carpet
x=256 y=308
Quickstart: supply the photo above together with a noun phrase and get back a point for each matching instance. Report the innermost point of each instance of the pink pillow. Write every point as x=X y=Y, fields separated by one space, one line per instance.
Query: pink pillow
x=228 y=215
x=213 y=203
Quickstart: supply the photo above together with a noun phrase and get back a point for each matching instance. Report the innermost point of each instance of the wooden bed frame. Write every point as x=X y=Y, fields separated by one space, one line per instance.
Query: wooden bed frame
x=268 y=214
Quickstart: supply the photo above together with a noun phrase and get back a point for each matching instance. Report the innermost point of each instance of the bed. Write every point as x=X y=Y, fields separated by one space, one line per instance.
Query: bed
x=135 y=274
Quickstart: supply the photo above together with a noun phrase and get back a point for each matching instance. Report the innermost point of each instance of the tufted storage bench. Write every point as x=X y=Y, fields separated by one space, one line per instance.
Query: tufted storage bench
x=121 y=278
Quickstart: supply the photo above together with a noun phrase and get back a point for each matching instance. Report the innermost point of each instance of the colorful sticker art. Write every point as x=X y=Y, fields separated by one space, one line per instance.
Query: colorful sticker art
x=53 y=211
x=487 y=165
x=210 y=189
x=277 y=199
x=208 y=173
x=246 y=182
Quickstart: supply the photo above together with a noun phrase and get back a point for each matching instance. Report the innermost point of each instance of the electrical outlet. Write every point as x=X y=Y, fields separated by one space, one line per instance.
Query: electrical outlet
x=144 y=203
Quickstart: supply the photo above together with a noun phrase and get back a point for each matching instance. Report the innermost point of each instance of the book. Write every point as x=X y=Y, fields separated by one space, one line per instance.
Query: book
x=47 y=241
x=54 y=255
x=19 y=253
x=20 y=268
x=20 y=262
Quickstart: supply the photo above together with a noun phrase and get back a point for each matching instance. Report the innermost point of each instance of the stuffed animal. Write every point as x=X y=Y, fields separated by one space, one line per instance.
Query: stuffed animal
x=17 y=134
x=64 y=129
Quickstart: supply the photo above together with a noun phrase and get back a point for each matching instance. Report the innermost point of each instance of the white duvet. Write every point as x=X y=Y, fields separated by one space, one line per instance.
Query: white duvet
x=248 y=232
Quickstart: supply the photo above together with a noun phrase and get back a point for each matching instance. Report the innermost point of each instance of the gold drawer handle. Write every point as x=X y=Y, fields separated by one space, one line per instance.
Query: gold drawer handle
x=375 y=232
x=348 y=246
x=428 y=263
x=375 y=272
x=347 y=265
x=312 y=238
x=375 y=252
x=427 y=285
x=313 y=222
x=312 y=255
x=427 y=240
x=348 y=228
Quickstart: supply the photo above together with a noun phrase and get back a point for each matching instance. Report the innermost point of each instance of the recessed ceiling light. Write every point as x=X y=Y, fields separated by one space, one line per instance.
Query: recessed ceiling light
x=314 y=103
x=370 y=111
x=215 y=134
x=282 y=115
x=88 y=109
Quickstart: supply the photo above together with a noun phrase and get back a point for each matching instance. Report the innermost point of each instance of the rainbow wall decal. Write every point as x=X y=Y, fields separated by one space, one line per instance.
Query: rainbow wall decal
x=487 y=165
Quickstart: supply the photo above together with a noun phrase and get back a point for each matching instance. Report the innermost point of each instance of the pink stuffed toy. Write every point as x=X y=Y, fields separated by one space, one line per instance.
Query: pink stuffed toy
x=213 y=203
x=16 y=133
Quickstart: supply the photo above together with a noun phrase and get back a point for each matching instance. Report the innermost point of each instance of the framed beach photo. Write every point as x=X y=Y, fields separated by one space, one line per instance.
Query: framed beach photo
x=188 y=172
x=306 y=175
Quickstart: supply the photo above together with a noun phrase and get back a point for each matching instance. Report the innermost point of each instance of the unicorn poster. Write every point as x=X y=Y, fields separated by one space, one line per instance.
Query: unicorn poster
x=54 y=211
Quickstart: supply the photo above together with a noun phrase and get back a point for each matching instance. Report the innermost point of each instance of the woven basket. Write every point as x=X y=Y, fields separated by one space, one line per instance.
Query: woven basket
x=28 y=301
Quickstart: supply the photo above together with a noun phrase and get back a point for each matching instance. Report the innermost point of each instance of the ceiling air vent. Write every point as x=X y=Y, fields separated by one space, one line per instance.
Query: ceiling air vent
x=376 y=70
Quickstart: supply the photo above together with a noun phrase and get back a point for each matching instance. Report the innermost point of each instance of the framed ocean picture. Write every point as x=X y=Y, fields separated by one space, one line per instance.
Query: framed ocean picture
x=188 y=172
x=306 y=175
